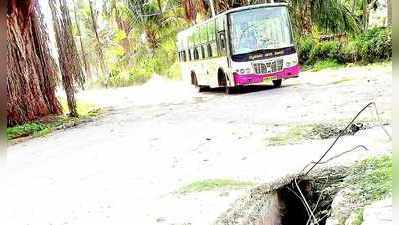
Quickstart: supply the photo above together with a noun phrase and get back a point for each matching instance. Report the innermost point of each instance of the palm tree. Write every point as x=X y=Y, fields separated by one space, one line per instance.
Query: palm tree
x=71 y=70
x=147 y=17
x=31 y=70
x=100 y=51
x=389 y=5
x=79 y=33
x=327 y=15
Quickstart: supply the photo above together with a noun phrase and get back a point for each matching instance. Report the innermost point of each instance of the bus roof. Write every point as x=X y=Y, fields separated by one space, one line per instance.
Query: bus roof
x=234 y=10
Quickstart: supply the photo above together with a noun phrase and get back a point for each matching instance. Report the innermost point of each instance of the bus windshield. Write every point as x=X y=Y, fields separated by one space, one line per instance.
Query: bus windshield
x=259 y=29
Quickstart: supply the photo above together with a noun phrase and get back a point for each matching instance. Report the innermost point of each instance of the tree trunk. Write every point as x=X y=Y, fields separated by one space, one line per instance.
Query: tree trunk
x=160 y=7
x=82 y=49
x=31 y=72
x=99 y=44
x=389 y=5
x=71 y=69
x=307 y=17
x=365 y=15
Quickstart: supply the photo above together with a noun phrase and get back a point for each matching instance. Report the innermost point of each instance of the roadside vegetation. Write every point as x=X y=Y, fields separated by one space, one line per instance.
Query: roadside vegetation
x=45 y=126
x=373 y=177
x=214 y=185
x=298 y=133
x=375 y=45
x=370 y=180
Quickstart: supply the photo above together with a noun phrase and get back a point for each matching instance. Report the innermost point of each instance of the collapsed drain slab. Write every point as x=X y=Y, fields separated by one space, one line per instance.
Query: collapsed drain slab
x=282 y=202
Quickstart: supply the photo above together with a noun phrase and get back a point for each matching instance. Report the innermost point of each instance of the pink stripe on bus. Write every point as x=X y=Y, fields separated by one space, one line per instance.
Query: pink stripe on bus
x=241 y=79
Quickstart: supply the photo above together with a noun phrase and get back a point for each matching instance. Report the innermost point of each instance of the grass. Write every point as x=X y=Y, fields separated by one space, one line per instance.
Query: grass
x=373 y=177
x=315 y=131
x=358 y=220
x=43 y=128
x=25 y=130
x=334 y=65
x=371 y=180
x=293 y=135
x=215 y=184
x=326 y=64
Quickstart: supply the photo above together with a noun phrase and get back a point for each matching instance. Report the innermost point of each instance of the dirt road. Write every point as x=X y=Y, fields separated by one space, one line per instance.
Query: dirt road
x=125 y=167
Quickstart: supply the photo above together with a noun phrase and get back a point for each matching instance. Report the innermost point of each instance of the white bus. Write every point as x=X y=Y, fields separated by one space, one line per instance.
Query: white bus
x=242 y=46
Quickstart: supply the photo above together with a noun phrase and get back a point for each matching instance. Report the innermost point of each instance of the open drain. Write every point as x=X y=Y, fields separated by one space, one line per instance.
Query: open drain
x=289 y=201
x=306 y=202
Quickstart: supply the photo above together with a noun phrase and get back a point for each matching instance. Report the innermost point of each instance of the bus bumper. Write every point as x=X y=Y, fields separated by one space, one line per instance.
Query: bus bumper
x=245 y=79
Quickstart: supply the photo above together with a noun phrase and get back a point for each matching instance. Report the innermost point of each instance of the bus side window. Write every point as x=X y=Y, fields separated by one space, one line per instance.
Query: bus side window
x=222 y=40
x=183 y=54
x=209 y=47
x=189 y=55
x=214 y=48
x=202 y=52
x=196 y=55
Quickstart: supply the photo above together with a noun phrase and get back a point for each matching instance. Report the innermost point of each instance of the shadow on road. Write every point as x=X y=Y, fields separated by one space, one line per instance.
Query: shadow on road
x=245 y=89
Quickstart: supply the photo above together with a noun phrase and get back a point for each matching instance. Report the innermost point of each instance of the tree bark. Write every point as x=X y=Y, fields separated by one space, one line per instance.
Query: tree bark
x=389 y=5
x=31 y=71
x=365 y=15
x=307 y=17
x=71 y=70
x=100 y=52
x=82 y=49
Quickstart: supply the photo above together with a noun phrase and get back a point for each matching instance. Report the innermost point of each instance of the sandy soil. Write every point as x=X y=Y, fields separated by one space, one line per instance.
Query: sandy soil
x=125 y=167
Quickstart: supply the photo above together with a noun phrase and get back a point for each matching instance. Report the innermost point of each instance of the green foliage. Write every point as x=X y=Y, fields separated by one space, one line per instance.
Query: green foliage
x=373 y=177
x=25 y=130
x=305 y=46
x=215 y=184
x=375 y=45
x=327 y=64
x=42 y=128
x=326 y=15
x=358 y=220
x=324 y=50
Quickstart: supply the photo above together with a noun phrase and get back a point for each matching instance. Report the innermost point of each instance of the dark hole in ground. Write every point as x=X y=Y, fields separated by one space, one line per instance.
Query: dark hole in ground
x=319 y=194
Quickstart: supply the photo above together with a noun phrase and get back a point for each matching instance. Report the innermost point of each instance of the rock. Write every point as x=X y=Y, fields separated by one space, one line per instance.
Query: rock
x=332 y=221
x=378 y=213
x=161 y=219
x=345 y=202
x=352 y=218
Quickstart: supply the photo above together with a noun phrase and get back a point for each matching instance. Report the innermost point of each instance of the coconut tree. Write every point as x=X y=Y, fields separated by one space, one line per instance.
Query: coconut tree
x=99 y=47
x=327 y=15
x=71 y=70
x=31 y=71
x=147 y=17
x=79 y=34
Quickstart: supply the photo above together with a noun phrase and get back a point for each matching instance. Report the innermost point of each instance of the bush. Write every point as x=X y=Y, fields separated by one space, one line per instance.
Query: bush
x=324 y=50
x=305 y=46
x=375 y=45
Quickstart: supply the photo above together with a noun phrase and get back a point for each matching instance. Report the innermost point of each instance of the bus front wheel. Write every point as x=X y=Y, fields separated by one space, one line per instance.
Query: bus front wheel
x=277 y=83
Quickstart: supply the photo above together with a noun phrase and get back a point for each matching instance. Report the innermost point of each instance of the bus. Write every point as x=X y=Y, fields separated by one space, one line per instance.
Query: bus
x=242 y=46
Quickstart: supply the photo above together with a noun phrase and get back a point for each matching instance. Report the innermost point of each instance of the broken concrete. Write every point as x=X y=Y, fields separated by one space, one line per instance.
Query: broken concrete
x=278 y=203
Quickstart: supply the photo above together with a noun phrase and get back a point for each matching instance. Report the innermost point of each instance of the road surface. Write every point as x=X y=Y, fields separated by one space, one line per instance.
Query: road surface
x=125 y=167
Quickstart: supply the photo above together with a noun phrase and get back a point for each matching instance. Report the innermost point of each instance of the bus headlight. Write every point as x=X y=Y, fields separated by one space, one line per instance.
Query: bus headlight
x=244 y=71
x=291 y=62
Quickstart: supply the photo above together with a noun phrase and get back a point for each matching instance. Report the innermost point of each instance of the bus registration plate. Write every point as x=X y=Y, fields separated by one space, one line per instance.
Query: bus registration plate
x=268 y=79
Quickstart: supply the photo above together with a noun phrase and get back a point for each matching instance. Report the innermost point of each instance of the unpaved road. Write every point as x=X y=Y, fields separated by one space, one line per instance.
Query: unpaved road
x=123 y=168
